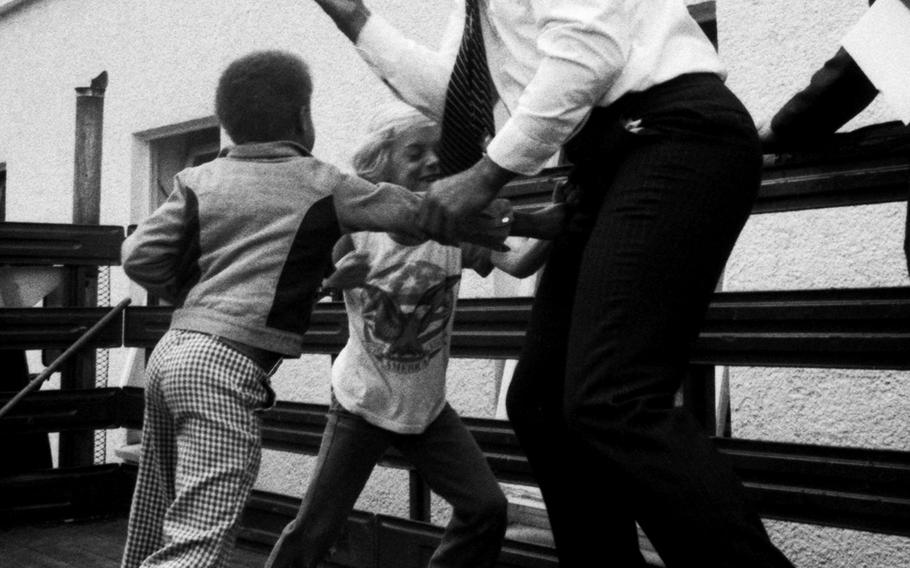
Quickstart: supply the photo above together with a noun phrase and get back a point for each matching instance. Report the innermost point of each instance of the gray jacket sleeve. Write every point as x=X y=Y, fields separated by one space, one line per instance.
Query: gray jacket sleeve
x=162 y=254
x=363 y=206
x=389 y=208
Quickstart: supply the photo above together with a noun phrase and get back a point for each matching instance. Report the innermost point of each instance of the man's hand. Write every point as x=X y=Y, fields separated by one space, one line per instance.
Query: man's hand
x=455 y=197
x=349 y=15
x=489 y=227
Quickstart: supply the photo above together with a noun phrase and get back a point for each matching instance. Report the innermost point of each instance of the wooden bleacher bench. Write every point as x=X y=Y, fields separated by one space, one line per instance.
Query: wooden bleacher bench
x=869 y=328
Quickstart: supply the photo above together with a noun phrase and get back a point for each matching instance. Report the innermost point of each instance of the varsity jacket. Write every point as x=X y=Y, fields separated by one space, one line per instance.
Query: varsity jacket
x=243 y=242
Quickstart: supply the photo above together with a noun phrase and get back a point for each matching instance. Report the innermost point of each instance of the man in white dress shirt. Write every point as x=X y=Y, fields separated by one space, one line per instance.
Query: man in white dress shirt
x=668 y=162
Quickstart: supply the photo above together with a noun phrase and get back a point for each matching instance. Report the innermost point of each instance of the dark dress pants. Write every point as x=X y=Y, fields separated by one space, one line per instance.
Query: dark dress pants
x=668 y=178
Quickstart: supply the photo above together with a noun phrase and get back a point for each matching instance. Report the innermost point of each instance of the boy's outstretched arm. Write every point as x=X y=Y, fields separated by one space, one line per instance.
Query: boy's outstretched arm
x=363 y=206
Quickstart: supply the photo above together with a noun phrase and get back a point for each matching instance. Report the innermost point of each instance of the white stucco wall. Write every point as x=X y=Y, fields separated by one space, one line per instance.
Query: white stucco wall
x=772 y=47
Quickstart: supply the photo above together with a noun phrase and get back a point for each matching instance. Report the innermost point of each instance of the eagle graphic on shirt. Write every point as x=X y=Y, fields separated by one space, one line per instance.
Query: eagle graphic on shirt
x=406 y=310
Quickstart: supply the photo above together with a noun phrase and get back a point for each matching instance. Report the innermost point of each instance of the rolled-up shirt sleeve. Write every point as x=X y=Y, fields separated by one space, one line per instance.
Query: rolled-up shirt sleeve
x=584 y=46
x=417 y=75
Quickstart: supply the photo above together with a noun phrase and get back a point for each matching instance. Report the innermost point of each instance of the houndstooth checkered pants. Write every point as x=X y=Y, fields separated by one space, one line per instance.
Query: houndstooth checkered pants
x=201 y=449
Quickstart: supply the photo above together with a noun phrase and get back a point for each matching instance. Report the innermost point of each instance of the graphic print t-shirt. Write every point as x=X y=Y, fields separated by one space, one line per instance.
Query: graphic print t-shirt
x=392 y=369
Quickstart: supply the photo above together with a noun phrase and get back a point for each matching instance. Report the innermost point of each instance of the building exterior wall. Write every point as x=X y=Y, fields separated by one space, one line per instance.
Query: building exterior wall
x=164 y=57
x=771 y=48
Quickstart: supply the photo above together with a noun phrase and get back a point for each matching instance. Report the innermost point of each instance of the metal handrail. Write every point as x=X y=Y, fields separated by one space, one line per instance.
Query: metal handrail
x=78 y=344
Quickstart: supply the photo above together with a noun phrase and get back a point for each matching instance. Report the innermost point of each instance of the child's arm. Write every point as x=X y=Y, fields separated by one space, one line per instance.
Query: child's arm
x=545 y=222
x=362 y=206
x=162 y=253
x=525 y=257
x=548 y=222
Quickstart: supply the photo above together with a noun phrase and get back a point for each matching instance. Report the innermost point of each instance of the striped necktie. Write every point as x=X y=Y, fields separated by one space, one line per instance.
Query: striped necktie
x=467 y=119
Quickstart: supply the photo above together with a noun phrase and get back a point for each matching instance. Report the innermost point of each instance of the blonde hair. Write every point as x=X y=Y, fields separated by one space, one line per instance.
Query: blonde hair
x=371 y=158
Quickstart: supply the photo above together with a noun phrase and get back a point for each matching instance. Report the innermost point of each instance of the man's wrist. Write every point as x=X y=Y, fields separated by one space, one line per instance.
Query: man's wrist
x=492 y=175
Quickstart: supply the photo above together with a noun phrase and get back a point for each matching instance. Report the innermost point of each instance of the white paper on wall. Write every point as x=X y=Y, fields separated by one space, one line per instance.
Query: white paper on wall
x=25 y=286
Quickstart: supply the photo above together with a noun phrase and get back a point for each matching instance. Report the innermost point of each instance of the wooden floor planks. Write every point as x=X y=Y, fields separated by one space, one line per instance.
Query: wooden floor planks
x=88 y=544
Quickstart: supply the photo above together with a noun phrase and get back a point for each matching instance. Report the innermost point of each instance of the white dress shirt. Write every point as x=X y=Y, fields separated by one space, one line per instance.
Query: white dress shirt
x=551 y=62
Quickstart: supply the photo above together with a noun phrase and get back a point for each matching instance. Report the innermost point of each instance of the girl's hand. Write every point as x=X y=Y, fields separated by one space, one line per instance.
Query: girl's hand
x=350 y=272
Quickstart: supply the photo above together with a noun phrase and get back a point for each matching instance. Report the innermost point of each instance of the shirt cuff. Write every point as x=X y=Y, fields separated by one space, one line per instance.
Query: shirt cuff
x=518 y=152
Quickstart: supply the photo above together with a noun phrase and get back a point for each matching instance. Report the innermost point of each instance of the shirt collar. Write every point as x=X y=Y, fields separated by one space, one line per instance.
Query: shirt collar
x=265 y=151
